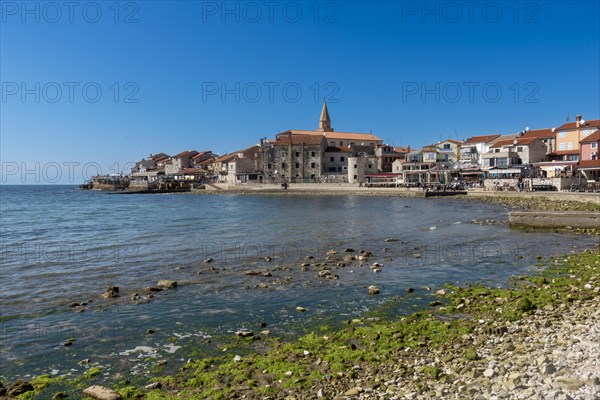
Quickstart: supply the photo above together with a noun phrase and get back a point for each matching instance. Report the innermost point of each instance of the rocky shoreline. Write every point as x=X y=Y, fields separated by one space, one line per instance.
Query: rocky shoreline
x=537 y=339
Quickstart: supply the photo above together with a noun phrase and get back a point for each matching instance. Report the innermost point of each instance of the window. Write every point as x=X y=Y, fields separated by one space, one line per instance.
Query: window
x=519 y=149
x=313 y=165
x=283 y=154
x=430 y=156
x=332 y=159
x=297 y=154
x=297 y=165
x=573 y=157
x=341 y=143
x=340 y=169
x=562 y=135
x=586 y=132
x=594 y=156
x=355 y=166
x=447 y=146
x=351 y=143
x=355 y=177
x=283 y=165
x=594 y=145
x=312 y=176
x=342 y=159
x=312 y=153
x=331 y=169
x=370 y=166
x=570 y=146
x=562 y=146
x=496 y=150
x=269 y=166
x=502 y=162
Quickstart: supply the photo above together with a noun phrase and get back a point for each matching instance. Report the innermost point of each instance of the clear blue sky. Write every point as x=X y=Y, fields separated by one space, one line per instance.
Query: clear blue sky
x=213 y=75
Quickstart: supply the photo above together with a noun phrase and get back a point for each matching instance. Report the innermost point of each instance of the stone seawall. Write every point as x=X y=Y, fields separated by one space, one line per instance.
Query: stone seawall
x=555 y=219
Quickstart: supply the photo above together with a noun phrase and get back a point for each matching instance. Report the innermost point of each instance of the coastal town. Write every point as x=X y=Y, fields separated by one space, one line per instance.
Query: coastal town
x=559 y=158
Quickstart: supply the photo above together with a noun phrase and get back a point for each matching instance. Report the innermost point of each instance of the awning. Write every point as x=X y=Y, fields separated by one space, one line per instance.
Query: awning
x=505 y=171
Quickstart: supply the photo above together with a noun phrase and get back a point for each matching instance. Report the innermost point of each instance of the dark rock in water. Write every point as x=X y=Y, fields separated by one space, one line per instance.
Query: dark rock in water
x=2 y=389
x=19 y=387
x=207 y=261
x=267 y=259
x=150 y=331
x=167 y=283
x=410 y=290
x=73 y=305
x=373 y=290
x=101 y=393
x=263 y=324
x=349 y=250
x=258 y=272
x=60 y=395
x=435 y=303
x=391 y=239
x=111 y=292
x=153 y=289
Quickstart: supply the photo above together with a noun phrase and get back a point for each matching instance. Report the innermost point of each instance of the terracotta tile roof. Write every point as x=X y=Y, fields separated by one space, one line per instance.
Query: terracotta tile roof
x=481 y=139
x=400 y=149
x=510 y=142
x=202 y=153
x=226 y=157
x=589 y=163
x=545 y=133
x=595 y=123
x=449 y=140
x=594 y=137
x=335 y=135
x=284 y=140
x=337 y=149
x=186 y=154
x=159 y=157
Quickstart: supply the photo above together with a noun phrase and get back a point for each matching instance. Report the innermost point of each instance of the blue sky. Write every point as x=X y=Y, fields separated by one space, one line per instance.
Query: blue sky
x=105 y=84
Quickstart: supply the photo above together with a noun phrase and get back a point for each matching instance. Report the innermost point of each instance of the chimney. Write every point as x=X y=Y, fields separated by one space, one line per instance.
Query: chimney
x=577 y=120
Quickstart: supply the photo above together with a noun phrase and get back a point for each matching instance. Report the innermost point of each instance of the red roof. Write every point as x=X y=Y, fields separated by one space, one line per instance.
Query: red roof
x=334 y=135
x=594 y=137
x=545 y=133
x=595 y=123
x=226 y=157
x=186 y=154
x=449 y=140
x=482 y=139
x=520 y=141
x=201 y=154
x=400 y=149
x=159 y=157
x=284 y=140
x=589 y=163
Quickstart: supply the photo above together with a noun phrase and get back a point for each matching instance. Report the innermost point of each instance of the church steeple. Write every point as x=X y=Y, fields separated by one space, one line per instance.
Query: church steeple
x=325 y=121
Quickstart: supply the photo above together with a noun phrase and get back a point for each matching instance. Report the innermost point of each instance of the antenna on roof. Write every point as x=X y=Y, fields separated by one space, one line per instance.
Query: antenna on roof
x=568 y=117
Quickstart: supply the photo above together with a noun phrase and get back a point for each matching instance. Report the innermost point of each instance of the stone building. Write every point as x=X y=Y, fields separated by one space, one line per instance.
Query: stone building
x=296 y=158
x=309 y=155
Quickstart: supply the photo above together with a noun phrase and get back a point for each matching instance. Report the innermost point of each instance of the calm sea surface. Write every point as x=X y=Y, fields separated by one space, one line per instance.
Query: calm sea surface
x=60 y=245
